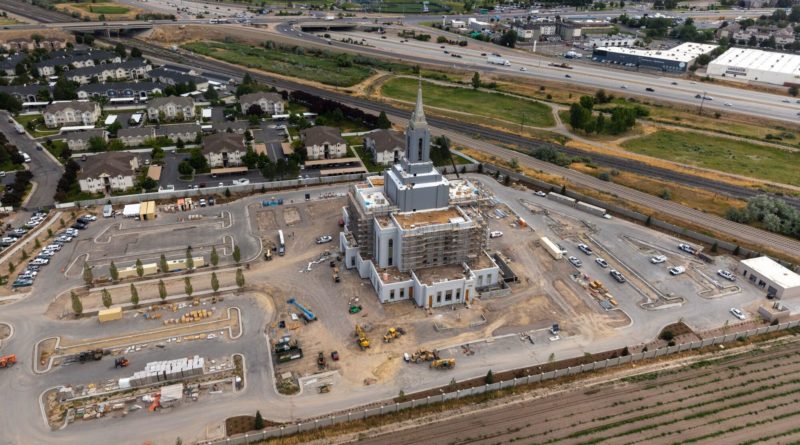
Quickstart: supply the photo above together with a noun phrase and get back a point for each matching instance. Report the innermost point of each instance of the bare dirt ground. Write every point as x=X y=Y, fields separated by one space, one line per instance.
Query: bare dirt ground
x=5 y=331
x=749 y=396
x=47 y=33
x=129 y=15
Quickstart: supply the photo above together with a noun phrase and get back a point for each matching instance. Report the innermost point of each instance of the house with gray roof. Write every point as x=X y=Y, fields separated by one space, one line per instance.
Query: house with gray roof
x=9 y=64
x=114 y=90
x=73 y=112
x=323 y=142
x=173 y=77
x=135 y=136
x=27 y=93
x=171 y=108
x=107 y=172
x=238 y=127
x=270 y=103
x=67 y=60
x=224 y=149
x=130 y=70
x=386 y=146
x=184 y=132
x=79 y=140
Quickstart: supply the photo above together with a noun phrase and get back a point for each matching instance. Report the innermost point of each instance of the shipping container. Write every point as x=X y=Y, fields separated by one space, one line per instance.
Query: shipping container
x=551 y=248
x=594 y=210
x=115 y=313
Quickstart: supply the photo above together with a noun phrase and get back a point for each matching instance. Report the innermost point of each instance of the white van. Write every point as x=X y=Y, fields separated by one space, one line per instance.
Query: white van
x=26 y=156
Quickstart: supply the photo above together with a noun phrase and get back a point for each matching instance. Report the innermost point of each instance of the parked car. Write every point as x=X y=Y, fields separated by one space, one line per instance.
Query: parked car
x=575 y=262
x=495 y=234
x=585 y=249
x=617 y=276
x=84 y=221
x=726 y=274
x=738 y=314
x=601 y=262
x=324 y=239
x=79 y=226
x=202 y=202
x=658 y=259
x=89 y=217
x=686 y=248
x=677 y=270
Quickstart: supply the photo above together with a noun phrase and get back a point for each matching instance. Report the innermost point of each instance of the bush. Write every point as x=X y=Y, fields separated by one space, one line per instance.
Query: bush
x=667 y=336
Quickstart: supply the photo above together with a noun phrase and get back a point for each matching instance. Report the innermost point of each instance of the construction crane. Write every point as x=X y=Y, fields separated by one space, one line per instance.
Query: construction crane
x=363 y=341
x=307 y=314
x=8 y=361
x=445 y=363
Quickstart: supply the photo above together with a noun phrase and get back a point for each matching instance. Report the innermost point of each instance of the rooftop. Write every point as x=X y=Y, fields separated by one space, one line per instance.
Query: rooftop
x=393 y=275
x=773 y=271
x=483 y=261
x=685 y=52
x=375 y=181
x=462 y=190
x=410 y=220
x=436 y=274
x=762 y=60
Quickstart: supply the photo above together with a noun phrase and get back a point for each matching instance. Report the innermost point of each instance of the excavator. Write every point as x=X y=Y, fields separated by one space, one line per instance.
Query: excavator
x=393 y=333
x=8 y=361
x=363 y=341
x=445 y=363
x=424 y=356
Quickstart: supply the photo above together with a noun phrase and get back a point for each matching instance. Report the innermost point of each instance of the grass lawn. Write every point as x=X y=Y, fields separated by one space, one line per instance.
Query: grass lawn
x=97 y=8
x=40 y=129
x=55 y=148
x=366 y=158
x=319 y=67
x=491 y=105
x=738 y=157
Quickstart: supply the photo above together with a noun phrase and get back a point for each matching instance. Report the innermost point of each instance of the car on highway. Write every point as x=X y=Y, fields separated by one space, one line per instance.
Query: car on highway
x=522 y=68
x=324 y=239
x=686 y=248
x=495 y=234
x=674 y=83
x=649 y=89
x=616 y=275
x=738 y=314
x=575 y=261
x=658 y=259
x=677 y=270
x=728 y=104
x=624 y=87
x=567 y=76
x=601 y=262
x=243 y=181
x=726 y=274
x=446 y=52
x=786 y=101
x=540 y=193
x=585 y=249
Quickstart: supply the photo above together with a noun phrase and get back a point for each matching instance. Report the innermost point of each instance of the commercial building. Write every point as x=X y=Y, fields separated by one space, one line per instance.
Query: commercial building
x=754 y=65
x=764 y=272
x=677 y=59
x=406 y=233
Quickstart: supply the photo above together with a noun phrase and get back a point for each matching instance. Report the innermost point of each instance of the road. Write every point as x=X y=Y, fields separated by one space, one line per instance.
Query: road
x=46 y=170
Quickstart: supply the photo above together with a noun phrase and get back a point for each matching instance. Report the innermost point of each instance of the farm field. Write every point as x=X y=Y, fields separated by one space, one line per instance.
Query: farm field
x=747 y=398
x=726 y=155
x=467 y=100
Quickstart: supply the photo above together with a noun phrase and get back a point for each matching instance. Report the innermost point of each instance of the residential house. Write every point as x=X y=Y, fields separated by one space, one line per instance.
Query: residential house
x=783 y=36
x=130 y=70
x=224 y=149
x=185 y=132
x=569 y=31
x=67 y=60
x=25 y=44
x=135 y=136
x=171 y=108
x=238 y=127
x=27 y=93
x=270 y=103
x=172 y=76
x=79 y=140
x=386 y=146
x=140 y=91
x=72 y=112
x=476 y=25
x=323 y=142
x=8 y=65
x=107 y=172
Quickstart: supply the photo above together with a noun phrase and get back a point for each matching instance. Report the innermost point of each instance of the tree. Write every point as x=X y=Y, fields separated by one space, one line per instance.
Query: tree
x=187 y=286
x=136 y=52
x=214 y=282
x=88 y=277
x=383 y=121
x=189 y=259
x=476 y=81
x=10 y=103
x=793 y=91
x=714 y=247
x=112 y=270
x=162 y=290
x=237 y=254
x=106 y=297
x=214 y=257
x=211 y=94
x=139 y=268
x=120 y=50
x=162 y=261
x=254 y=110
x=489 y=377
x=77 y=306
x=65 y=89
x=509 y=38
x=259 y=424
x=134 y=296
x=239 y=278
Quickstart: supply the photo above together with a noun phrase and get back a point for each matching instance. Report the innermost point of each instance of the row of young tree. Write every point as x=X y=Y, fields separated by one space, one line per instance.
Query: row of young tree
x=584 y=116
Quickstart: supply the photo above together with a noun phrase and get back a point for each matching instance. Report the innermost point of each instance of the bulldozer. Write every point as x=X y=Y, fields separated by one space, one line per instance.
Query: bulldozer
x=335 y=274
x=8 y=361
x=391 y=334
x=363 y=341
x=424 y=356
x=445 y=363
x=121 y=362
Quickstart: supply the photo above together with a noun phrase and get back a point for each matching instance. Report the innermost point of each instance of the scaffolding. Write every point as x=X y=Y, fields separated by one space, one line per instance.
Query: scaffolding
x=442 y=244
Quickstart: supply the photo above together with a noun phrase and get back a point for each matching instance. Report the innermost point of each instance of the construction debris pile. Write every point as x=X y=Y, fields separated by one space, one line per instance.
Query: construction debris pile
x=163 y=371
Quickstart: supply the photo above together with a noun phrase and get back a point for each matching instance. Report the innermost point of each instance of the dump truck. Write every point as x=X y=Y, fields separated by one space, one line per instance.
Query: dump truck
x=363 y=341
x=8 y=361
x=121 y=362
x=445 y=363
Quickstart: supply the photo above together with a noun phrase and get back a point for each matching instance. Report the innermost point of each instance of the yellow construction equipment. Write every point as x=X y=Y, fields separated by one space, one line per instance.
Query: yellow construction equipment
x=8 y=361
x=424 y=356
x=363 y=341
x=391 y=334
x=445 y=363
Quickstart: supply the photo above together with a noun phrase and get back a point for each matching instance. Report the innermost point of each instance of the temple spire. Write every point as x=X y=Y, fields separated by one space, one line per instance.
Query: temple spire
x=419 y=113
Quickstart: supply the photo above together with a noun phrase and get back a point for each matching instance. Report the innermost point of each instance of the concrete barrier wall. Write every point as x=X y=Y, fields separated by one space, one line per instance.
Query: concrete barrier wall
x=395 y=407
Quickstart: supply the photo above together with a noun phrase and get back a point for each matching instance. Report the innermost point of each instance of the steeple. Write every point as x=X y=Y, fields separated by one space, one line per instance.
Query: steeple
x=418 y=118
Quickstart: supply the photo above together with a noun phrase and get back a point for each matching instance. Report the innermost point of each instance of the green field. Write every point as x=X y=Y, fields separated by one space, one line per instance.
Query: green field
x=738 y=157
x=107 y=9
x=320 y=66
x=467 y=100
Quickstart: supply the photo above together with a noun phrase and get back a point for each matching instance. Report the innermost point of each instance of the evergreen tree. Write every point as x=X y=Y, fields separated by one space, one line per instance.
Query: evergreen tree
x=214 y=258
x=383 y=121
x=134 y=296
x=112 y=270
x=106 y=296
x=139 y=268
x=77 y=306
x=162 y=290
x=476 y=81
x=259 y=424
x=239 y=278
x=214 y=282
x=189 y=259
x=187 y=286
x=88 y=277
x=163 y=264
x=237 y=254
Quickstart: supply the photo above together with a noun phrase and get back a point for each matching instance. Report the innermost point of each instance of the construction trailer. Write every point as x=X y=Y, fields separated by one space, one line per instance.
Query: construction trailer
x=173 y=265
x=551 y=248
x=111 y=314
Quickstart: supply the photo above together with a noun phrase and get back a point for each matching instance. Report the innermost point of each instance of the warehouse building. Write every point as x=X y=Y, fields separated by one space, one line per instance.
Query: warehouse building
x=767 y=274
x=676 y=60
x=754 y=65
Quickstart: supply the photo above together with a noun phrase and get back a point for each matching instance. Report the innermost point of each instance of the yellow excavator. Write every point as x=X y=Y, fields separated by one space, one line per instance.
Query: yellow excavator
x=445 y=363
x=363 y=341
x=391 y=334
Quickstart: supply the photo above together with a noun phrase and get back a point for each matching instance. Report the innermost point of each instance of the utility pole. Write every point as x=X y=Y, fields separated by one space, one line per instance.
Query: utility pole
x=702 y=100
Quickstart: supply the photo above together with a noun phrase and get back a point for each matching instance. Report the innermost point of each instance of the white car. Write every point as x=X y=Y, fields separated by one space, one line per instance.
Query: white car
x=540 y=193
x=726 y=274
x=495 y=234
x=55 y=247
x=585 y=249
x=90 y=217
x=243 y=181
x=324 y=239
x=738 y=314
x=677 y=270
x=658 y=259
x=575 y=262
x=601 y=262
x=686 y=248
x=523 y=69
